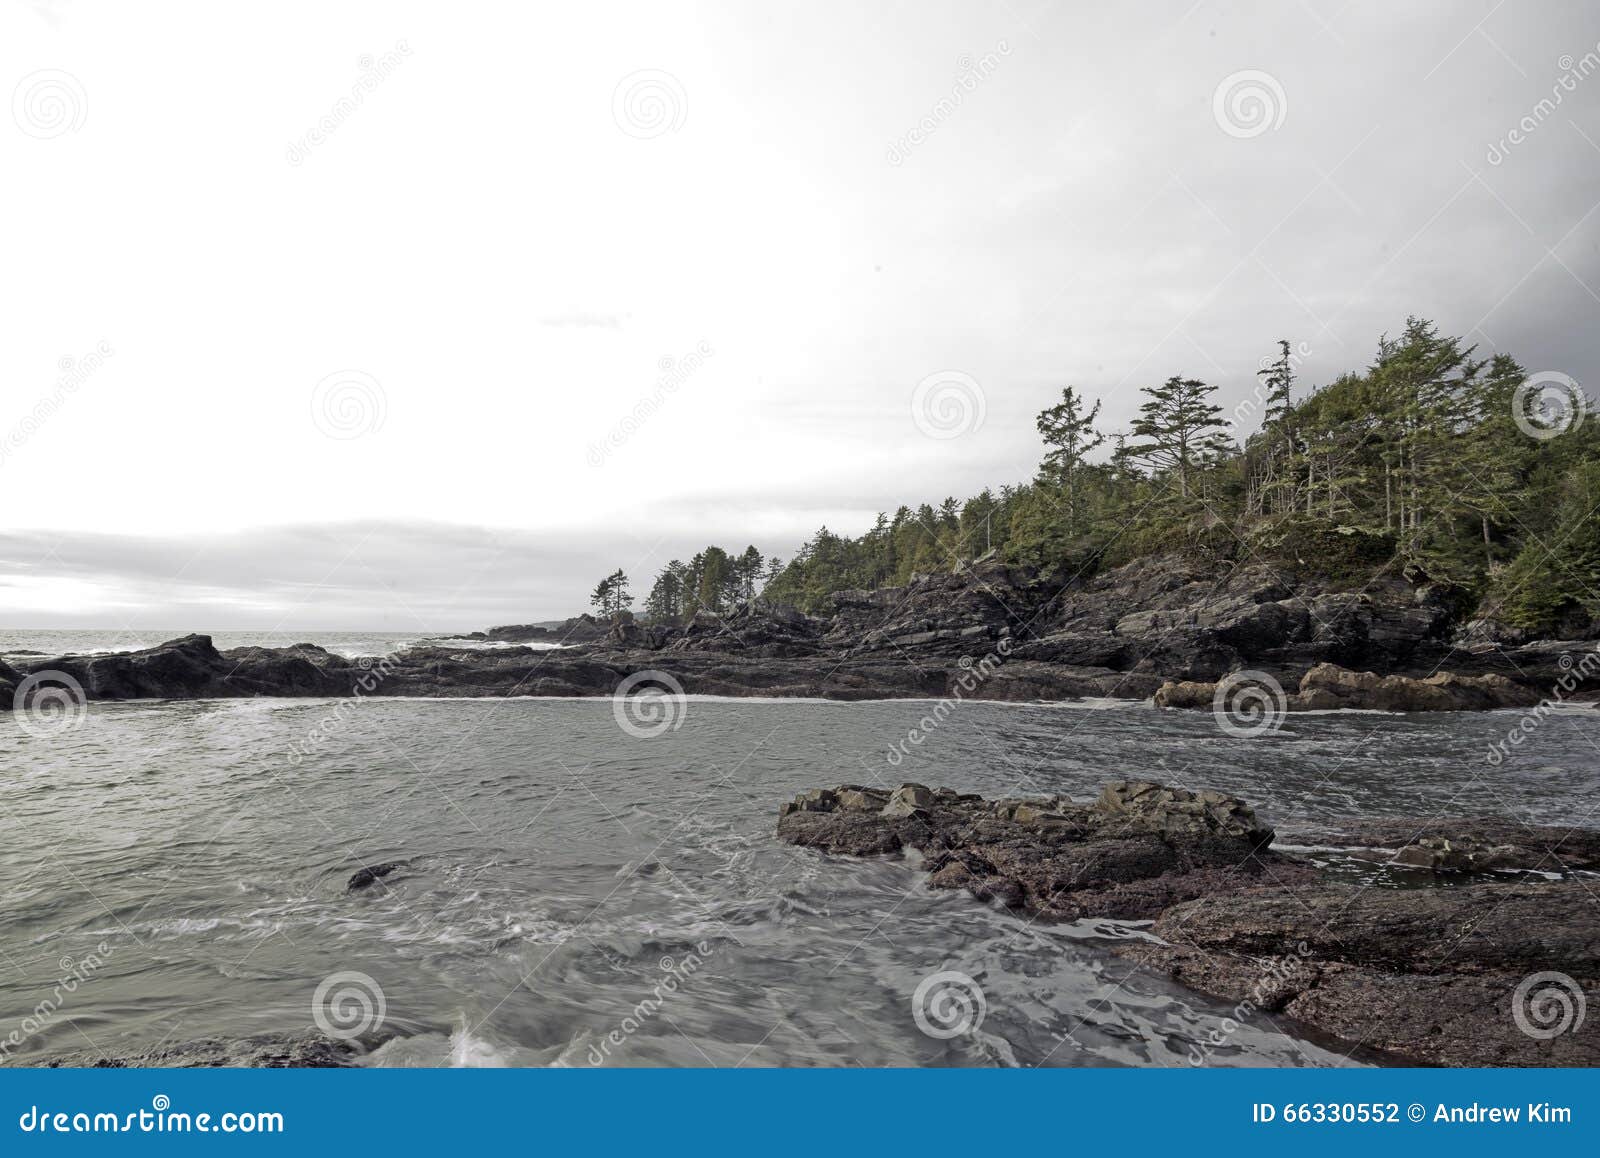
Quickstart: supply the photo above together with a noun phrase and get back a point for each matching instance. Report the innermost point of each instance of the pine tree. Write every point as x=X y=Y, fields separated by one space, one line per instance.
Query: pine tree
x=1068 y=430
x=1181 y=429
x=600 y=597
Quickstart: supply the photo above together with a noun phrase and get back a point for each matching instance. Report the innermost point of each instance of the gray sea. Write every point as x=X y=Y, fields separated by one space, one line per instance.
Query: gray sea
x=575 y=892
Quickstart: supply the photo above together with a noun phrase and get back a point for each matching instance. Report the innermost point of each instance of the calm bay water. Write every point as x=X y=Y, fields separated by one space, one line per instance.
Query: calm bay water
x=26 y=643
x=559 y=869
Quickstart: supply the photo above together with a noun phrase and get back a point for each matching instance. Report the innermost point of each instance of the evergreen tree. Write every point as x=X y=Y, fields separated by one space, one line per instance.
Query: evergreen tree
x=1068 y=430
x=1181 y=429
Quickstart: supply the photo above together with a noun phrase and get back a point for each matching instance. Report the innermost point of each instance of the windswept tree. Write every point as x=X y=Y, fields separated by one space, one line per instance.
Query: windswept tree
x=1179 y=429
x=664 y=604
x=1068 y=430
x=610 y=596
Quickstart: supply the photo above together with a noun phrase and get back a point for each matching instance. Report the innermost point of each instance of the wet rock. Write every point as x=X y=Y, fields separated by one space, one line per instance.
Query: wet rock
x=1328 y=686
x=368 y=875
x=1140 y=847
x=1438 y=852
x=1424 y=974
x=1515 y=845
x=267 y=1051
x=853 y=797
x=1428 y=975
x=907 y=800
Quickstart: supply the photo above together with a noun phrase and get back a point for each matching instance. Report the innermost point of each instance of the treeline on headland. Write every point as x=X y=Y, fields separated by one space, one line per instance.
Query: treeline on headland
x=1451 y=467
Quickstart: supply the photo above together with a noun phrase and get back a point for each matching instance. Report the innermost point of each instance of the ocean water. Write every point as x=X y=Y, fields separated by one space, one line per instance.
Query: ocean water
x=25 y=643
x=176 y=871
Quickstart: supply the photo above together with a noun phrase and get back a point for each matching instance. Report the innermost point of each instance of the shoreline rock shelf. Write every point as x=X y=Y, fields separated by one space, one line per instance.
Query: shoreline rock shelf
x=1420 y=974
x=1166 y=626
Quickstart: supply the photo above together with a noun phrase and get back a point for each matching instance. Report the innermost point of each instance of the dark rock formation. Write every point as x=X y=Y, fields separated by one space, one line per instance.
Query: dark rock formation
x=370 y=874
x=1427 y=974
x=1328 y=686
x=1136 y=850
x=268 y=1051
x=1460 y=843
x=579 y=629
x=1123 y=633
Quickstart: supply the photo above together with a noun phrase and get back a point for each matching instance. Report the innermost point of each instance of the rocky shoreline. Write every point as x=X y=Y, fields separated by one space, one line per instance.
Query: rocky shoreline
x=1165 y=628
x=1424 y=971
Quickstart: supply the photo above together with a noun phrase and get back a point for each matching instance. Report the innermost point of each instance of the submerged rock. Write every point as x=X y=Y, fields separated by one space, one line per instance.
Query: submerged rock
x=370 y=874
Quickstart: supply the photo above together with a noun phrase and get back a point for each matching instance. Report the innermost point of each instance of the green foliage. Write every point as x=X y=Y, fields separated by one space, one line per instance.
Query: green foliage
x=1413 y=465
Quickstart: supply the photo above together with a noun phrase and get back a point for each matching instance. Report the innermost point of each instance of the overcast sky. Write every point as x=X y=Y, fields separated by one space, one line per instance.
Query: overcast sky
x=412 y=316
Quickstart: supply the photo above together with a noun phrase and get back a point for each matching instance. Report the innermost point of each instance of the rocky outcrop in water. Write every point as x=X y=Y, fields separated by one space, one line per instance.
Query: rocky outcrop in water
x=579 y=629
x=268 y=1051
x=1428 y=974
x=1328 y=686
x=1124 y=633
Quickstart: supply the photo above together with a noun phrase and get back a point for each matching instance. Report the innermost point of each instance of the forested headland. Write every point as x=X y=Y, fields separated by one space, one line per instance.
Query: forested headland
x=1436 y=461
